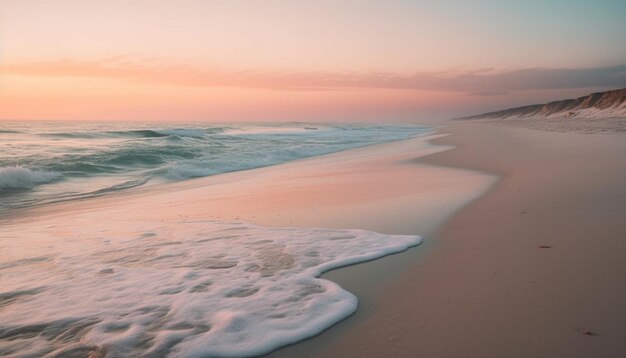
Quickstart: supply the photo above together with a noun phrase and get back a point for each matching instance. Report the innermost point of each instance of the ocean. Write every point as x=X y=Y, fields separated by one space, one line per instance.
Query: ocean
x=112 y=282
x=44 y=162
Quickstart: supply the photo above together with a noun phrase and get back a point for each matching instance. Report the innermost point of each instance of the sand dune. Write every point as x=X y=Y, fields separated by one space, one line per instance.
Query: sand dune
x=609 y=104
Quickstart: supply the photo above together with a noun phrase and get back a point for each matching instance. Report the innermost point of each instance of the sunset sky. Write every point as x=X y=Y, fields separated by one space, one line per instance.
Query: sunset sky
x=301 y=60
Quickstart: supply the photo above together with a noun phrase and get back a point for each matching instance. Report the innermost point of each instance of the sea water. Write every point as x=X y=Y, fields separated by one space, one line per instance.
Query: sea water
x=189 y=289
x=91 y=285
x=43 y=162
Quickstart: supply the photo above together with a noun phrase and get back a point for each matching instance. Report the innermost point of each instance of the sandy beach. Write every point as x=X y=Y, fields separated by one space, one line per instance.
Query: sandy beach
x=523 y=238
x=378 y=188
x=532 y=269
x=313 y=179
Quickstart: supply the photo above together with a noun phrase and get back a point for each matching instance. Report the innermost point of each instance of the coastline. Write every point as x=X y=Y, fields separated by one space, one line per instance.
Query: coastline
x=482 y=285
x=346 y=189
x=376 y=188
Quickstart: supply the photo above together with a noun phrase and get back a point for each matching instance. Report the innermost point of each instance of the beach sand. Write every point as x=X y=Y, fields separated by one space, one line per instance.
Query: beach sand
x=484 y=286
x=480 y=285
x=378 y=188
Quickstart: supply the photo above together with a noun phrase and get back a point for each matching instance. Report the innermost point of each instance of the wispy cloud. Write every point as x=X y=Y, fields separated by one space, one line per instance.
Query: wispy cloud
x=482 y=82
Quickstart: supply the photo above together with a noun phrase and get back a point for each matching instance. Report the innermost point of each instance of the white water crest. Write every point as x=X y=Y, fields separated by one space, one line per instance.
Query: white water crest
x=188 y=289
x=25 y=178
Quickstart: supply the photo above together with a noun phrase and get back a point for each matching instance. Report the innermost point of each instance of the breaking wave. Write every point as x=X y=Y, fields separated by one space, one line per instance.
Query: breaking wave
x=24 y=178
x=81 y=160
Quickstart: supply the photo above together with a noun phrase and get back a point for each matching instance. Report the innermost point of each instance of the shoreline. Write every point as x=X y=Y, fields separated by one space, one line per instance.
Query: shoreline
x=506 y=268
x=201 y=181
x=294 y=185
x=532 y=268
x=376 y=188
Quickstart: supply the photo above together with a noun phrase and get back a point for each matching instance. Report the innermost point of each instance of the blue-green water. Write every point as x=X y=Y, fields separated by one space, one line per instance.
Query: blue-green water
x=42 y=162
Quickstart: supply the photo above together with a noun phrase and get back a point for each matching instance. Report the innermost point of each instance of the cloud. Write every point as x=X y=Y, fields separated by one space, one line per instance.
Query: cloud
x=481 y=82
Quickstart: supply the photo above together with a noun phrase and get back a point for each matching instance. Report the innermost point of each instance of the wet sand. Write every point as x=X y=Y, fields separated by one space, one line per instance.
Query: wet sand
x=379 y=188
x=535 y=268
x=480 y=285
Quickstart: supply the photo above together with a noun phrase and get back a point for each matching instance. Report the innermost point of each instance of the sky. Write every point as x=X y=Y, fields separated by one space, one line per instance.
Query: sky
x=290 y=60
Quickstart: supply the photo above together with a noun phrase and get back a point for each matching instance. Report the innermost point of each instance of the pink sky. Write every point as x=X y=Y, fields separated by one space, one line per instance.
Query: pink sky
x=300 y=60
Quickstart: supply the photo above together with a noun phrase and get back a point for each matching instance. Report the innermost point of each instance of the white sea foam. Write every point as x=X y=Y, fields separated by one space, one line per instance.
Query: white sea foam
x=192 y=289
x=24 y=178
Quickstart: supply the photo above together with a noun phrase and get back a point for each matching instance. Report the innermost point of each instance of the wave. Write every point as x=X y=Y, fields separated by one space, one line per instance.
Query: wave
x=159 y=133
x=142 y=133
x=193 y=133
x=193 y=152
x=260 y=130
x=99 y=192
x=122 y=159
x=25 y=178
x=214 y=289
x=94 y=159
x=72 y=135
x=208 y=165
x=137 y=133
x=117 y=187
x=171 y=132
x=235 y=131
